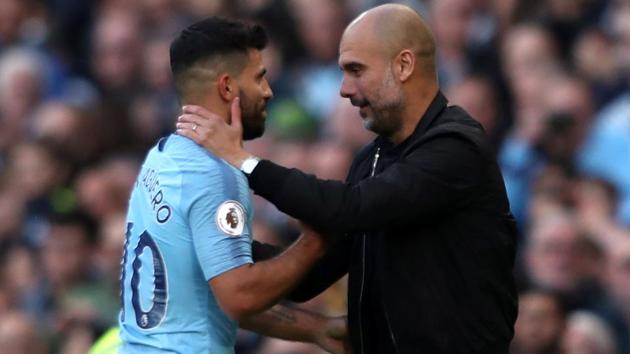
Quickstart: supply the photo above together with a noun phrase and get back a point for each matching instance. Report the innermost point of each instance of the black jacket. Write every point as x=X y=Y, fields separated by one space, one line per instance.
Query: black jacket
x=429 y=241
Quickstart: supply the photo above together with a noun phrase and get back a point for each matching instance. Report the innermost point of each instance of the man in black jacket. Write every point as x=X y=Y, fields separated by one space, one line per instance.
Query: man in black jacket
x=424 y=225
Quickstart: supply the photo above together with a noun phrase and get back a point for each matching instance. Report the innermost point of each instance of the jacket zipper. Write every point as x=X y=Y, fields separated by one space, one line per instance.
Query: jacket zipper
x=374 y=162
x=389 y=327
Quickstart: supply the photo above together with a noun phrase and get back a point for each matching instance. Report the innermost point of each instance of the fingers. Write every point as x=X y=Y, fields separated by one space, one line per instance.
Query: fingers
x=191 y=131
x=189 y=134
x=194 y=118
x=194 y=127
x=334 y=346
x=338 y=328
x=198 y=114
x=200 y=111
x=191 y=127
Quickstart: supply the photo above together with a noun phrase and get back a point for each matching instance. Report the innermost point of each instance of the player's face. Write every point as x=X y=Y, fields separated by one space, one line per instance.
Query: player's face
x=369 y=83
x=254 y=94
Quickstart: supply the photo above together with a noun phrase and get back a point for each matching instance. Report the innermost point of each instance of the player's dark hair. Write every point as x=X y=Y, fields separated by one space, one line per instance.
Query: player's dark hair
x=212 y=38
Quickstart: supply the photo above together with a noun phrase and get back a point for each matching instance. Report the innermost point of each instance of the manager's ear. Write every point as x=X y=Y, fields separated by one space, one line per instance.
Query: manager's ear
x=405 y=64
x=227 y=87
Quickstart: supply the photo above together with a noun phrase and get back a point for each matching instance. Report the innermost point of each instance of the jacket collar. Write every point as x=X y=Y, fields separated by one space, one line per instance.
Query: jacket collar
x=437 y=105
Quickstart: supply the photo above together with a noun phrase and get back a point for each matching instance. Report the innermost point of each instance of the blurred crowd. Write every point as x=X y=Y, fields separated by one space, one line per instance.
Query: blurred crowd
x=85 y=90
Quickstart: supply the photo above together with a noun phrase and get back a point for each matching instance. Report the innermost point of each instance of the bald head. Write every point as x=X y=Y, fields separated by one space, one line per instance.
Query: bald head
x=387 y=57
x=393 y=28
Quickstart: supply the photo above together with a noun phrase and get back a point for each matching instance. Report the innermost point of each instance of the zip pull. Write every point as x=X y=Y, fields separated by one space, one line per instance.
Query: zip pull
x=375 y=161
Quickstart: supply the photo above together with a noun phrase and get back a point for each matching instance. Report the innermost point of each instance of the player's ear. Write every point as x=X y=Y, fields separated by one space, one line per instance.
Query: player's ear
x=227 y=87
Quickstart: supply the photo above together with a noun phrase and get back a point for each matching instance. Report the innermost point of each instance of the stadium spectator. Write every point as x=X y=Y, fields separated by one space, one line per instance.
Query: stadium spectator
x=103 y=190
x=451 y=21
x=117 y=53
x=22 y=85
x=317 y=77
x=554 y=256
x=615 y=309
x=587 y=334
x=605 y=152
x=19 y=336
x=477 y=96
x=540 y=324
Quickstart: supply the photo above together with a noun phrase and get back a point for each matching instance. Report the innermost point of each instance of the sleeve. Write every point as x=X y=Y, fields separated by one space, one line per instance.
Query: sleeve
x=324 y=273
x=431 y=180
x=218 y=222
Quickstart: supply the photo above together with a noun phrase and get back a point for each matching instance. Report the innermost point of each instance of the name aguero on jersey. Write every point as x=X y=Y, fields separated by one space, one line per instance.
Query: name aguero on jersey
x=151 y=184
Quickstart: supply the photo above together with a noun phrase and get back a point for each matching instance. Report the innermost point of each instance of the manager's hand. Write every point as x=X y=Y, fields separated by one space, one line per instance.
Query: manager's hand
x=209 y=130
x=333 y=337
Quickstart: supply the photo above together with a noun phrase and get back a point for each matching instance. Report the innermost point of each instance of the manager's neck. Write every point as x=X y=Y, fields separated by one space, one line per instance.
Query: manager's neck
x=415 y=108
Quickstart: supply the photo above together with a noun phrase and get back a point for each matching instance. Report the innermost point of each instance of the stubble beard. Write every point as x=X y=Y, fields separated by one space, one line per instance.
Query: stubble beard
x=386 y=117
x=253 y=120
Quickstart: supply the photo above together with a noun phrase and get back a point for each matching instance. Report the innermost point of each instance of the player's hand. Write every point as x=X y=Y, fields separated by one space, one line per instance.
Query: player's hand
x=213 y=133
x=333 y=336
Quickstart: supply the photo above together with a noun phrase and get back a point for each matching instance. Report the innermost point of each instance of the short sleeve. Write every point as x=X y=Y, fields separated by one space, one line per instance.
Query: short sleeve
x=218 y=220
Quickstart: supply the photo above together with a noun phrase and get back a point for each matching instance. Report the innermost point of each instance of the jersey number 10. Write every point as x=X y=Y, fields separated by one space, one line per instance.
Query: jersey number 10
x=151 y=318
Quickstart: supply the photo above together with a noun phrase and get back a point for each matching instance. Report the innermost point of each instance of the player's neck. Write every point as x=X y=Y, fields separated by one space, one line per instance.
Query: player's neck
x=214 y=105
x=219 y=107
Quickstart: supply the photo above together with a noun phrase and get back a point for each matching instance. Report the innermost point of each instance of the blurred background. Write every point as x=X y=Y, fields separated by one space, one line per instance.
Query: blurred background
x=85 y=90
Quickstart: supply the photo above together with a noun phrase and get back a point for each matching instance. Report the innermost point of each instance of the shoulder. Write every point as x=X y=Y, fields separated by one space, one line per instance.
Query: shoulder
x=192 y=159
x=456 y=128
x=193 y=165
x=185 y=151
x=455 y=118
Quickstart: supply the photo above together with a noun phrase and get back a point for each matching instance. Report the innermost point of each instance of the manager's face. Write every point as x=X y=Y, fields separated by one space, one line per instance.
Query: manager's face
x=369 y=82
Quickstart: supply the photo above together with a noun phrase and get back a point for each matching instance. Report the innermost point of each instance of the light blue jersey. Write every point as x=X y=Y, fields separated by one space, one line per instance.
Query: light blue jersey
x=189 y=220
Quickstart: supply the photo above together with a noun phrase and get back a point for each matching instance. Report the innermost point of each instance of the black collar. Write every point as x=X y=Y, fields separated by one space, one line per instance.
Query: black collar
x=437 y=105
